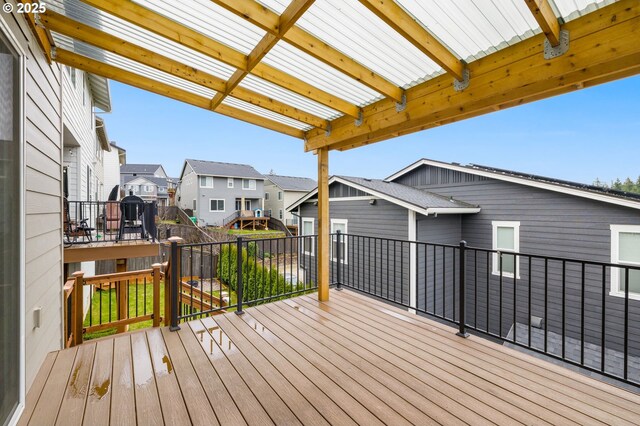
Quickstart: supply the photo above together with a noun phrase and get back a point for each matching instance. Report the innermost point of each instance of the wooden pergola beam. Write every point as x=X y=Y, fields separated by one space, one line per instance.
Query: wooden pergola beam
x=603 y=47
x=543 y=14
x=127 y=77
x=85 y=33
x=405 y=25
x=169 y=29
x=267 y=20
x=287 y=20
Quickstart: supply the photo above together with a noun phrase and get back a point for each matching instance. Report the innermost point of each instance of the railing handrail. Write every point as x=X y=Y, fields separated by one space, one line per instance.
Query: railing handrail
x=119 y=276
x=497 y=251
x=227 y=220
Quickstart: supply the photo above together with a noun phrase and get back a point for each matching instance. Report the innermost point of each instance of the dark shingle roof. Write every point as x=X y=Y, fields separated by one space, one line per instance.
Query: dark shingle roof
x=417 y=197
x=559 y=182
x=292 y=183
x=139 y=168
x=214 y=168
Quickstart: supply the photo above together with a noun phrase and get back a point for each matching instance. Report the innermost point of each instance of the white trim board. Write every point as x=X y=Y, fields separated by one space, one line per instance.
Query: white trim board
x=519 y=180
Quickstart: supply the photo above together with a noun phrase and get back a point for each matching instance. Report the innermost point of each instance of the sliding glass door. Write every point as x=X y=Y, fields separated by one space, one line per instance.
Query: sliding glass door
x=10 y=219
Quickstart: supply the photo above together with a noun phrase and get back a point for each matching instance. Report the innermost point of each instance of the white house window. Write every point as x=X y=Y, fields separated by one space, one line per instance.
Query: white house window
x=216 y=205
x=625 y=250
x=279 y=195
x=308 y=225
x=194 y=205
x=229 y=182
x=266 y=196
x=249 y=184
x=338 y=225
x=206 y=181
x=280 y=214
x=506 y=239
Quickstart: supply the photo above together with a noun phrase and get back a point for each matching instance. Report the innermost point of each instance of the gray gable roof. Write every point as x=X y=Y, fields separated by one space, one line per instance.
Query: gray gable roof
x=155 y=180
x=214 y=168
x=292 y=183
x=139 y=168
x=416 y=197
x=606 y=195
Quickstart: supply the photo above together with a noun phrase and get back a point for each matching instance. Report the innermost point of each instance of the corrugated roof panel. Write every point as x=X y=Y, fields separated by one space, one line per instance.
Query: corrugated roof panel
x=211 y=20
x=245 y=106
x=355 y=31
x=129 y=65
x=283 y=95
x=98 y=19
x=474 y=28
x=572 y=9
x=309 y=69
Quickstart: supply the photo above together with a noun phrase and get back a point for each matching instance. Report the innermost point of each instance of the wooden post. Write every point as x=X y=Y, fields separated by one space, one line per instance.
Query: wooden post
x=122 y=290
x=77 y=308
x=156 y=294
x=323 y=224
x=167 y=284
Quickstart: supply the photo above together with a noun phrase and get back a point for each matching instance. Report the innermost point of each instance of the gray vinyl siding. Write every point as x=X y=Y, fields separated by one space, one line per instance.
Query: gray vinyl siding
x=436 y=267
x=551 y=224
x=365 y=268
x=220 y=191
x=43 y=198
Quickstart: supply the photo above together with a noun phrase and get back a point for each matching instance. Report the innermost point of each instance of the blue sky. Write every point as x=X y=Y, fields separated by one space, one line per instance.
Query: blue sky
x=588 y=134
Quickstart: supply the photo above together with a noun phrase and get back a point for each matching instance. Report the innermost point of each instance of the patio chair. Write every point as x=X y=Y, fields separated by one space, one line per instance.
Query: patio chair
x=132 y=217
x=73 y=229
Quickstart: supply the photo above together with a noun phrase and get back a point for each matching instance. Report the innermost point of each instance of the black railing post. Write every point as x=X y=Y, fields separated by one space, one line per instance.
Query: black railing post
x=175 y=279
x=239 y=275
x=462 y=293
x=338 y=260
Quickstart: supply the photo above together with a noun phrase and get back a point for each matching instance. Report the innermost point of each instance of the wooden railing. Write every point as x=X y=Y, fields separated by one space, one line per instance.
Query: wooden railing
x=116 y=301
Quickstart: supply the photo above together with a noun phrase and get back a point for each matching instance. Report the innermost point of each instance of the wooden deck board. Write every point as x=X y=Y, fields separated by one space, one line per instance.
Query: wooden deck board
x=351 y=360
x=123 y=400
x=605 y=411
x=98 y=406
x=36 y=387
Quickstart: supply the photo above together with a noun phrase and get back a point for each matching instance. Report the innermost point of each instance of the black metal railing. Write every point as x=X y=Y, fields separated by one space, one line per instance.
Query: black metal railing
x=108 y=221
x=209 y=278
x=578 y=311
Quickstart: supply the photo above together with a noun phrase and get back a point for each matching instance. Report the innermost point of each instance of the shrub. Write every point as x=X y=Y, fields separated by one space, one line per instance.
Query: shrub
x=258 y=281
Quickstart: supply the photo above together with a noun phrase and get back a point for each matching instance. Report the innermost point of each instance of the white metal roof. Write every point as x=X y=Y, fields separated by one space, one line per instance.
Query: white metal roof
x=469 y=29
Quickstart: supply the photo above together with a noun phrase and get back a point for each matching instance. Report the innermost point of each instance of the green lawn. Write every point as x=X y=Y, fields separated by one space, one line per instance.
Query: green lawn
x=111 y=294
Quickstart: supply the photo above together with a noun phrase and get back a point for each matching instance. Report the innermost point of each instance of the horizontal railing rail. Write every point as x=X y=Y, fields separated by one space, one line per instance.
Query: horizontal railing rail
x=101 y=303
x=578 y=311
x=103 y=221
x=210 y=278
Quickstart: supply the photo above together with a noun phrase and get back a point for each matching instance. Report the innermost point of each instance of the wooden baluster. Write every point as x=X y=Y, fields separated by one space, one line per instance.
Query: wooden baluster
x=122 y=290
x=77 y=308
x=156 y=293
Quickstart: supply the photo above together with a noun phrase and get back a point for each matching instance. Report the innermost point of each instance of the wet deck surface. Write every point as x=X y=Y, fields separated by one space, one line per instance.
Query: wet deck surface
x=352 y=360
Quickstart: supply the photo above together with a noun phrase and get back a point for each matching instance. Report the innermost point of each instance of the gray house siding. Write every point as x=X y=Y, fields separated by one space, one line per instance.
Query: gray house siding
x=220 y=191
x=367 y=267
x=436 y=266
x=551 y=224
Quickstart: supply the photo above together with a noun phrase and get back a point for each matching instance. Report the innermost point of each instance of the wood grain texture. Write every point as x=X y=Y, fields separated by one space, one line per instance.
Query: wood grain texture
x=350 y=360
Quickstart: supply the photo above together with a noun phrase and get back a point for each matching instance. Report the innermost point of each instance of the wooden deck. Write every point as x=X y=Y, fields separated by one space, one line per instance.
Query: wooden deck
x=352 y=360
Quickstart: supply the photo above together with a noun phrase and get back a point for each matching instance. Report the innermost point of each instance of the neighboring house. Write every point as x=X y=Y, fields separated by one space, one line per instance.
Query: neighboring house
x=112 y=161
x=495 y=209
x=149 y=181
x=282 y=191
x=149 y=188
x=215 y=190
